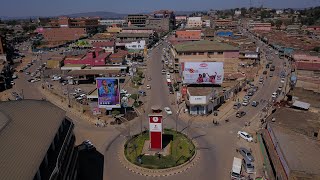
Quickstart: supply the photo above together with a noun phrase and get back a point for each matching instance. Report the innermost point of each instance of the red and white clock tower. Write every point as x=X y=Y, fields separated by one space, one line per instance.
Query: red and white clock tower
x=155 y=127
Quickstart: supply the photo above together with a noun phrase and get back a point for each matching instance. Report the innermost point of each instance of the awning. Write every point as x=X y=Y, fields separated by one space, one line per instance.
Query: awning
x=300 y=104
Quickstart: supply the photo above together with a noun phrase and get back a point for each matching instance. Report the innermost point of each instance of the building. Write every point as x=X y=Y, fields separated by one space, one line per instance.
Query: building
x=258 y=26
x=224 y=33
x=313 y=28
x=279 y=11
x=292 y=144
x=138 y=20
x=111 y=22
x=95 y=57
x=55 y=62
x=138 y=30
x=194 y=22
x=207 y=51
x=63 y=34
x=237 y=12
x=1 y=46
x=161 y=21
x=224 y=24
x=181 y=19
x=135 y=45
x=64 y=21
x=188 y=34
x=37 y=141
x=107 y=46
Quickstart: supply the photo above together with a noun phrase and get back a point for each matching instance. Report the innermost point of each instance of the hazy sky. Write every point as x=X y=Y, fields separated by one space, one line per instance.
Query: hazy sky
x=13 y=8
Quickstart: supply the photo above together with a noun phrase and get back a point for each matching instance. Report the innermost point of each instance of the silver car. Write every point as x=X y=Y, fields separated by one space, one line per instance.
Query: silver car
x=246 y=154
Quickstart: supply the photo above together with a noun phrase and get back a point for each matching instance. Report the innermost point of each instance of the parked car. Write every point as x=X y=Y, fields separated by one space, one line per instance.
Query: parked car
x=148 y=86
x=282 y=80
x=123 y=91
x=236 y=105
x=246 y=153
x=274 y=95
x=240 y=114
x=167 y=110
x=245 y=136
x=78 y=90
x=245 y=103
x=142 y=93
x=250 y=93
x=265 y=72
x=248 y=165
x=255 y=103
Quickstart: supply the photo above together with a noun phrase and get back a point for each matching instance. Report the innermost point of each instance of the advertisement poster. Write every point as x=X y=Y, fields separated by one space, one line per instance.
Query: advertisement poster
x=203 y=72
x=108 y=93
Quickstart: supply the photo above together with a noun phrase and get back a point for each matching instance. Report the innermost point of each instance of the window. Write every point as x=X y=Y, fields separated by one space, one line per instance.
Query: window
x=200 y=53
x=220 y=53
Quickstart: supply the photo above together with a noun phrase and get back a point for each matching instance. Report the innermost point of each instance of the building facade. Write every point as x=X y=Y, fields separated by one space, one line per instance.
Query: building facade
x=138 y=20
x=194 y=22
x=38 y=132
x=257 y=26
x=96 y=57
x=188 y=34
x=1 y=46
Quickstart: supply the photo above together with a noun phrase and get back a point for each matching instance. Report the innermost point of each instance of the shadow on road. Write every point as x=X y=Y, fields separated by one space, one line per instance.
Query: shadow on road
x=90 y=165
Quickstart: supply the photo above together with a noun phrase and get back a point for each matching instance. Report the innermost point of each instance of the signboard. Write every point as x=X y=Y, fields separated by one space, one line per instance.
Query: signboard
x=251 y=55
x=155 y=129
x=203 y=72
x=108 y=93
x=198 y=99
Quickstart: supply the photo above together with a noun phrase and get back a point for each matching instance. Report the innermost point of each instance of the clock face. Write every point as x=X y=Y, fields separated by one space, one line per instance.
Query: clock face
x=155 y=119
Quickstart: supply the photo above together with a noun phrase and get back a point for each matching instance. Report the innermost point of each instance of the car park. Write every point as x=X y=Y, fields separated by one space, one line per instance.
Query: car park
x=167 y=110
x=246 y=154
x=240 y=114
x=244 y=135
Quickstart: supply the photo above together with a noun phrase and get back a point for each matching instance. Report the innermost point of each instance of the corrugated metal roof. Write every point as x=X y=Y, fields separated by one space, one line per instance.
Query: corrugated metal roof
x=204 y=46
x=300 y=104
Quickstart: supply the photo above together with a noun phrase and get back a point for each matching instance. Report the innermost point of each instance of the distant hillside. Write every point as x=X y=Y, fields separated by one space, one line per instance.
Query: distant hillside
x=101 y=14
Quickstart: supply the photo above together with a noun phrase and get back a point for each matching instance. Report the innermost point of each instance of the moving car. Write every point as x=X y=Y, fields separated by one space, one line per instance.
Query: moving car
x=167 y=110
x=148 y=86
x=240 y=114
x=236 y=105
x=245 y=136
x=282 y=80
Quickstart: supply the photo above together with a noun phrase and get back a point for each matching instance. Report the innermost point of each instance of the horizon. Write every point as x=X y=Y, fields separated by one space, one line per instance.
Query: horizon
x=37 y=8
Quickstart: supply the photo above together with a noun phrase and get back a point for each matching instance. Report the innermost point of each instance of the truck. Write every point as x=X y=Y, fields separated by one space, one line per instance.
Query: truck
x=236 y=169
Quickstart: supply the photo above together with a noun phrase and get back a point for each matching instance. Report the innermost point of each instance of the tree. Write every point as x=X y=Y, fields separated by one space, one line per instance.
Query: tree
x=134 y=97
x=115 y=113
x=317 y=49
x=278 y=23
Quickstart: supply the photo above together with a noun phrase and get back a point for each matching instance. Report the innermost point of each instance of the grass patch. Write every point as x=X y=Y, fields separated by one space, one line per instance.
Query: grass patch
x=182 y=149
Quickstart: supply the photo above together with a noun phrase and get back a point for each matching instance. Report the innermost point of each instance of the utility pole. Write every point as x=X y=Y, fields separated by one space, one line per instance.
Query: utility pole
x=68 y=95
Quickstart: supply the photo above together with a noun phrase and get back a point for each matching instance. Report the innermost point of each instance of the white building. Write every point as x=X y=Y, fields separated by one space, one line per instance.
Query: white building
x=110 y=22
x=194 y=22
x=136 y=45
x=237 y=12
x=207 y=23
x=279 y=11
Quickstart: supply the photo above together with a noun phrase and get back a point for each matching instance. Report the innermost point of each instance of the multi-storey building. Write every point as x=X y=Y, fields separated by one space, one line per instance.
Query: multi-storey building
x=136 y=20
x=37 y=141
x=1 y=46
x=194 y=22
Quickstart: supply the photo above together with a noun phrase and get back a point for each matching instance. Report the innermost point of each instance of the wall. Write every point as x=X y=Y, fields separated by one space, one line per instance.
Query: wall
x=149 y=31
x=198 y=100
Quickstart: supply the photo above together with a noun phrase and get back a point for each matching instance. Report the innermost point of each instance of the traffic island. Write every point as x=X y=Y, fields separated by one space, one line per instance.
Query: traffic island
x=177 y=155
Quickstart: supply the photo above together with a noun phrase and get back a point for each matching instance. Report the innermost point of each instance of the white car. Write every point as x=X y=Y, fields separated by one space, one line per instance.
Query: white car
x=12 y=83
x=282 y=80
x=123 y=91
x=77 y=90
x=245 y=103
x=56 y=78
x=168 y=110
x=274 y=95
x=148 y=86
x=245 y=136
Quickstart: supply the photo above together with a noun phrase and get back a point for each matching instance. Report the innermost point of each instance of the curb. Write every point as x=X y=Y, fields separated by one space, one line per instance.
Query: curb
x=158 y=172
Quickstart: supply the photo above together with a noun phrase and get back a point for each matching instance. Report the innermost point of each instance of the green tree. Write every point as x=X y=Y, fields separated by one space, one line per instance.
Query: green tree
x=135 y=97
x=278 y=23
x=317 y=49
x=115 y=113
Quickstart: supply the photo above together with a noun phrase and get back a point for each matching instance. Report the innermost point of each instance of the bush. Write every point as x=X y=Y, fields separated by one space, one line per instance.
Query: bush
x=115 y=113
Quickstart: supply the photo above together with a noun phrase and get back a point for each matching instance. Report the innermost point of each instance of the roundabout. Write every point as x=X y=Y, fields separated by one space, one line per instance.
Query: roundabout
x=178 y=154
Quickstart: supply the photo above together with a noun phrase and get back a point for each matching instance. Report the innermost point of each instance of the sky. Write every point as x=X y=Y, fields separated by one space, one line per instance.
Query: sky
x=18 y=8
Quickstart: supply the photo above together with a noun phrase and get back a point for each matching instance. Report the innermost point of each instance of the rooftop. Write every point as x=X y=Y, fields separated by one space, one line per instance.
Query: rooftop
x=93 y=72
x=302 y=122
x=27 y=128
x=300 y=152
x=204 y=46
x=199 y=91
x=142 y=35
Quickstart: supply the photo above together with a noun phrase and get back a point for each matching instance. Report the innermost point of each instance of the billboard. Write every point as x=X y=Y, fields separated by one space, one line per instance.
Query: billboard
x=108 y=93
x=202 y=72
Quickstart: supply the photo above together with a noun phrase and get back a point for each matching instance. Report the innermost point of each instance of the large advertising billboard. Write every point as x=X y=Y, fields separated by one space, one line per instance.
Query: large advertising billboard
x=202 y=72
x=108 y=93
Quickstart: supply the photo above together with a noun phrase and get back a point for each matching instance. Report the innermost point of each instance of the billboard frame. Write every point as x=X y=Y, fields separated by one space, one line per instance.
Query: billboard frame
x=100 y=105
